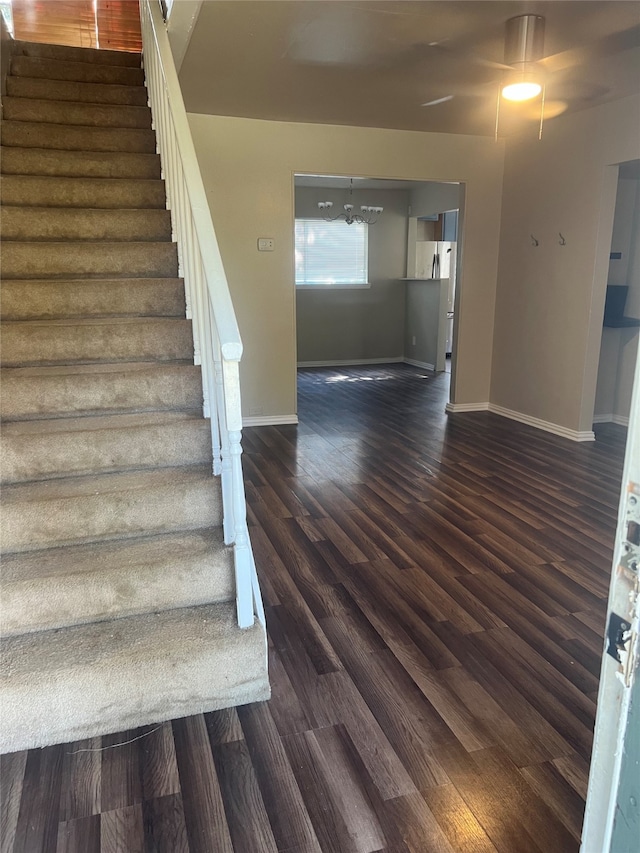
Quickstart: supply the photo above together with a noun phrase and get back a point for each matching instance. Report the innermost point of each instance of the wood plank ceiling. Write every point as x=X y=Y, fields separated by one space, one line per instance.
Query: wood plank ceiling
x=105 y=24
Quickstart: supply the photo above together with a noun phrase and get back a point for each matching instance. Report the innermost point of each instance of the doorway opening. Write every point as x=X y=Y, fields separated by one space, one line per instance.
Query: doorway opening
x=621 y=321
x=380 y=293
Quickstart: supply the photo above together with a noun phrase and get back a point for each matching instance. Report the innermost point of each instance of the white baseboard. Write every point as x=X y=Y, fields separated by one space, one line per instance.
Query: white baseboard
x=351 y=362
x=423 y=364
x=611 y=419
x=269 y=420
x=466 y=407
x=356 y=362
x=547 y=426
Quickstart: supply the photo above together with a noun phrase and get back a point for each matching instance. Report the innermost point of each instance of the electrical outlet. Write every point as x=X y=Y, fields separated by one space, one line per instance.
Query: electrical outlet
x=266 y=244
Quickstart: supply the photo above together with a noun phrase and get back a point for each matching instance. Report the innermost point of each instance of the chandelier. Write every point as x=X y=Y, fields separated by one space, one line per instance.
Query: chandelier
x=368 y=215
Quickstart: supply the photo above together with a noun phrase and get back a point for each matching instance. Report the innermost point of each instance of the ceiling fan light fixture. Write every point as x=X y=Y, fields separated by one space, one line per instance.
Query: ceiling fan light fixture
x=521 y=90
x=524 y=46
x=524 y=40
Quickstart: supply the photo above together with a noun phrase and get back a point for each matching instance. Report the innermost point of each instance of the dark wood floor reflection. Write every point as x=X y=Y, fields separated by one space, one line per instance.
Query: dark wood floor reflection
x=435 y=590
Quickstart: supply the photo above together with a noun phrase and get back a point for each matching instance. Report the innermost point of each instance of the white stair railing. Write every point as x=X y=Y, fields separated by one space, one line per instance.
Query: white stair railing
x=217 y=344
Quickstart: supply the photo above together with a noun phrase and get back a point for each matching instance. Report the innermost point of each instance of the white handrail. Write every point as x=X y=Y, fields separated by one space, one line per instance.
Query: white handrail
x=217 y=344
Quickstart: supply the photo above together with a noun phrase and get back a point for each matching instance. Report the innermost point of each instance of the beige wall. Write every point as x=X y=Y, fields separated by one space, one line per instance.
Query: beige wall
x=422 y=321
x=550 y=299
x=605 y=402
x=434 y=198
x=248 y=167
x=357 y=324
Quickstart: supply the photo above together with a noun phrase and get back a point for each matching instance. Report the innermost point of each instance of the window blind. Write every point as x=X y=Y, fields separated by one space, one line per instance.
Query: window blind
x=331 y=252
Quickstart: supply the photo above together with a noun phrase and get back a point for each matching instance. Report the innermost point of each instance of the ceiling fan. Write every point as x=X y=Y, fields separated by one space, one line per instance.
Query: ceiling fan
x=526 y=71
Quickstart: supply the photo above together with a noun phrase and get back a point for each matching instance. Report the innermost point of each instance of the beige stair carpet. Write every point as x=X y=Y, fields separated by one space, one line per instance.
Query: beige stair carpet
x=118 y=591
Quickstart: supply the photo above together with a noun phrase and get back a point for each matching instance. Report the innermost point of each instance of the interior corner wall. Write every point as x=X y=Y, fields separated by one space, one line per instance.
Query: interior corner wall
x=358 y=324
x=248 y=167
x=550 y=298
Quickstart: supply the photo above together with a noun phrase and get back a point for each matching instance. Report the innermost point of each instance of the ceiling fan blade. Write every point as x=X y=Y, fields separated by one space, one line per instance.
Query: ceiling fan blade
x=438 y=101
x=576 y=90
x=443 y=50
x=614 y=43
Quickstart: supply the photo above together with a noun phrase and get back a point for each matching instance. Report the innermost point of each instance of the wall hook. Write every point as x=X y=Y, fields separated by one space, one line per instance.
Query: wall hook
x=534 y=242
x=562 y=241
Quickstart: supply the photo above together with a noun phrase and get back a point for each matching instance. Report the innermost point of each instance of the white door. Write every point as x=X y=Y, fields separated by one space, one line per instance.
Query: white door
x=612 y=815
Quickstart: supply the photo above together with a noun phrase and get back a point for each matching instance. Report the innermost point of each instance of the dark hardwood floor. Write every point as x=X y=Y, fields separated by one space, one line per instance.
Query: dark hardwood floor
x=435 y=590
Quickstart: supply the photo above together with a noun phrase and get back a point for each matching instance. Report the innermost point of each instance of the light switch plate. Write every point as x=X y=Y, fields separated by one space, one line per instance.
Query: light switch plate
x=266 y=244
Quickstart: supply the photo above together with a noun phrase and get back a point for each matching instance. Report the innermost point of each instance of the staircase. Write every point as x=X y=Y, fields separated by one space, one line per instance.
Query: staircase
x=118 y=594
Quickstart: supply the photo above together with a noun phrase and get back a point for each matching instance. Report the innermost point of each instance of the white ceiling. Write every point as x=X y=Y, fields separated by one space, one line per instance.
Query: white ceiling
x=376 y=62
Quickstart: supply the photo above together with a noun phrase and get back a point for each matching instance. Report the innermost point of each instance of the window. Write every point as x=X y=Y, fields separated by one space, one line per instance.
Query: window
x=331 y=253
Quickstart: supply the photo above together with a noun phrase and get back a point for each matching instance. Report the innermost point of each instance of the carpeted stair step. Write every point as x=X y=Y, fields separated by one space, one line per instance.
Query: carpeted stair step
x=87 y=389
x=42 y=342
x=81 y=72
x=66 y=447
x=43 y=590
x=29 y=134
x=112 y=193
x=68 y=112
x=63 y=223
x=44 y=299
x=78 y=164
x=77 y=510
x=118 y=591
x=89 y=93
x=130 y=59
x=78 y=682
x=36 y=260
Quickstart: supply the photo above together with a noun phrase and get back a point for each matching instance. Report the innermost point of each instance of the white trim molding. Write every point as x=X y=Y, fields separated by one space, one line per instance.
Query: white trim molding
x=423 y=364
x=269 y=420
x=354 y=362
x=547 y=426
x=620 y=420
x=466 y=407
x=538 y=423
x=611 y=419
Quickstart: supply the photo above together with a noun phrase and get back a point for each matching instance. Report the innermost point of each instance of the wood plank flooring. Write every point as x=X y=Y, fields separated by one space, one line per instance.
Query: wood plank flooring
x=435 y=590
x=107 y=24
